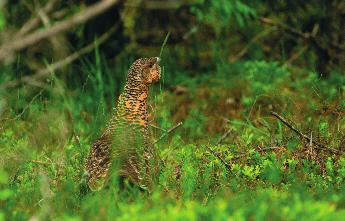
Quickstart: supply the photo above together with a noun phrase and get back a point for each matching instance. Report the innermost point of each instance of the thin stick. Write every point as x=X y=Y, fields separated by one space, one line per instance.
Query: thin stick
x=245 y=49
x=33 y=22
x=317 y=145
x=168 y=132
x=216 y=154
x=40 y=162
x=260 y=150
x=297 y=55
x=61 y=63
x=24 y=109
x=268 y=148
x=225 y=135
x=27 y=106
x=30 y=39
x=69 y=59
x=296 y=32
x=156 y=127
x=227 y=166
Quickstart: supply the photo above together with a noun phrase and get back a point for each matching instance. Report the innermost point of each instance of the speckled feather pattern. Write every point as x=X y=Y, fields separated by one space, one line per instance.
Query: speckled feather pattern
x=124 y=147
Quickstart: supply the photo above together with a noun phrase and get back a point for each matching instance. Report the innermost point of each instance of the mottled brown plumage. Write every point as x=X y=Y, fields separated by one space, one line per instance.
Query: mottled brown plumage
x=124 y=147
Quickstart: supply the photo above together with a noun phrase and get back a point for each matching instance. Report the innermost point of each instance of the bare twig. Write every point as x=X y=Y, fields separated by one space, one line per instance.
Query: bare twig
x=269 y=148
x=33 y=22
x=296 y=32
x=285 y=27
x=264 y=149
x=24 y=109
x=90 y=47
x=297 y=54
x=168 y=132
x=156 y=127
x=225 y=135
x=228 y=166
x=40 y=162
x=61 y=63
x=245 y=49
x=30 y=39
x=317 y=145
x=217 y=154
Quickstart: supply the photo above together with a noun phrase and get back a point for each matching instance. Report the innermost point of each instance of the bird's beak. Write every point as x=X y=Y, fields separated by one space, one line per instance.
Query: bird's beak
x=158 y=60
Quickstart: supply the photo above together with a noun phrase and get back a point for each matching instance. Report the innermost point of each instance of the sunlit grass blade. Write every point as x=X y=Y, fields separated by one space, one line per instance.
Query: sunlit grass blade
x=164 y=43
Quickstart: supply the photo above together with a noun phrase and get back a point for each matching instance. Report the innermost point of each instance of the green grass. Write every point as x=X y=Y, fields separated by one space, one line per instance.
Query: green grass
x=44 y=143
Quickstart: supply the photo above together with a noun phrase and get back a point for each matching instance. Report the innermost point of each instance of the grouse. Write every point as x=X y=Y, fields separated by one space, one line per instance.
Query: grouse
x=124 y=148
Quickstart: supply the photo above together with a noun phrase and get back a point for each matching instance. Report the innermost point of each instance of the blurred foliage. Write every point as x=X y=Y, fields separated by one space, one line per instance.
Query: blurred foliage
x=223 y=69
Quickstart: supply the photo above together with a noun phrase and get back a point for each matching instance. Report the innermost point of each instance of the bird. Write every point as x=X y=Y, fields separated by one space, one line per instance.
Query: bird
x=124 y=148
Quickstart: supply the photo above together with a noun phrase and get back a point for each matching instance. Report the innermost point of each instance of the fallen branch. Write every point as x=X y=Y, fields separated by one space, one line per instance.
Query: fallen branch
x=168 y=132
x=61 y=63
x=40 y=162
x=18 y=44
x=225 y=135
x=227 y=166
x=217 y=154
x=264 y=149
x=24 y=109
x=317 y=145
x=158 y=128
x=296 y=32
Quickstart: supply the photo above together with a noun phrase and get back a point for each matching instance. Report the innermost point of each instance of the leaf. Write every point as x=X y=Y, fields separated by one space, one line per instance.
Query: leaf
x=3 y=177
x=5 y=194
x=292 y=144
x=272 y=173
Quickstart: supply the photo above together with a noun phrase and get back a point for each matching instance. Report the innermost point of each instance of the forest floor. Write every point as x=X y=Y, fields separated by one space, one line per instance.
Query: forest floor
x=231 y=159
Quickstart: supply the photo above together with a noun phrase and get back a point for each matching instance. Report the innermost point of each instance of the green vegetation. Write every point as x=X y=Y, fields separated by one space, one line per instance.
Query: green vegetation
x=46 y=127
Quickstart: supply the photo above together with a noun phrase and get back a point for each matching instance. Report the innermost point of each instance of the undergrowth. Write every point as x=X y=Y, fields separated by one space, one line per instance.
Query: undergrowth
x=45 y=136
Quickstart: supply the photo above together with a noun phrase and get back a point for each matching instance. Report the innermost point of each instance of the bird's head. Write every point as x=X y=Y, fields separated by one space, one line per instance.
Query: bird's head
x=145 y=70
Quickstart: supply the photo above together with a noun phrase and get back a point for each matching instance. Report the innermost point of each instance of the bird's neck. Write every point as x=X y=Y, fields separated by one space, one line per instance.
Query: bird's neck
x=134 y=101
x=134 y=90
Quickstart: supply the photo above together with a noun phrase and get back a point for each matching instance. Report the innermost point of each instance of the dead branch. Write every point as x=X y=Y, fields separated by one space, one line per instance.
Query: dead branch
x=304 y=35
x=297 y=54
x=24 y=109
x=245 y=49
x=217 y=154
x=40 y=162
x=33 y=22
x=30 y=39
x=317 y=145
x=61 y=63
x=168 y=132
x=158 y=128
x=227 y=166
x=225 y=135
x=87 y=49
x=264 y=149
